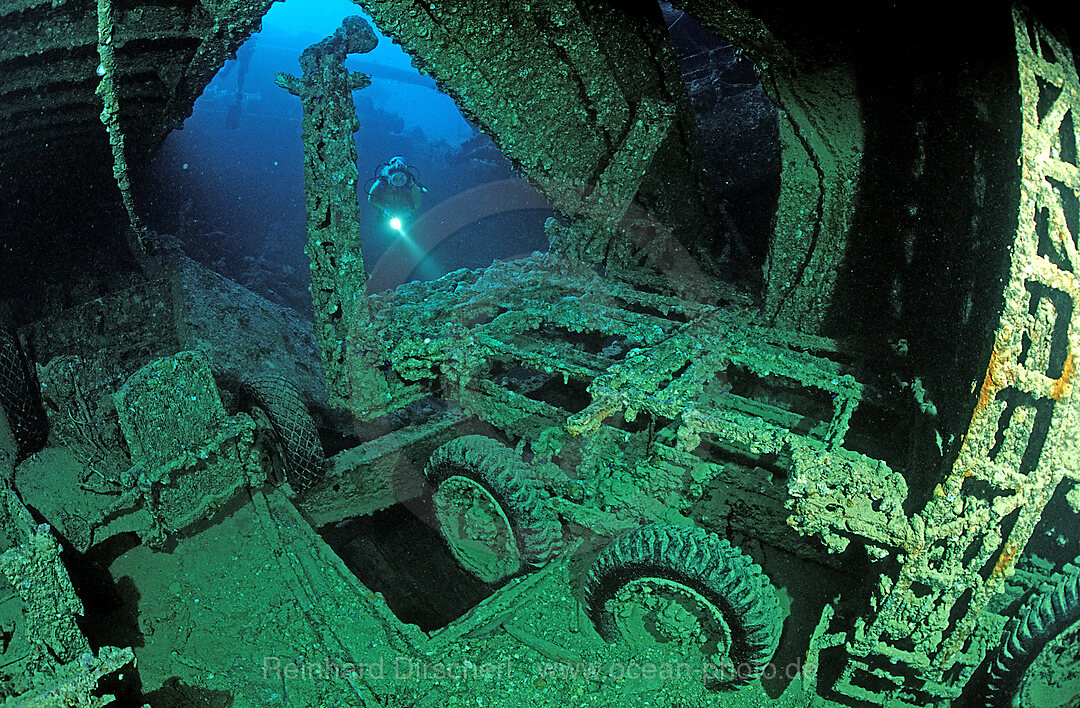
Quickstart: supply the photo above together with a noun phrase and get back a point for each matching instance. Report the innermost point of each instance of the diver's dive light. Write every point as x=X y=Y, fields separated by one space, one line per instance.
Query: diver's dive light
x=395 y=224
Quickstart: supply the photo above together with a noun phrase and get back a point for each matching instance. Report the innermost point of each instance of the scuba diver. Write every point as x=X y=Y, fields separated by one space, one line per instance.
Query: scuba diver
x=243 y=61
x=396 y=190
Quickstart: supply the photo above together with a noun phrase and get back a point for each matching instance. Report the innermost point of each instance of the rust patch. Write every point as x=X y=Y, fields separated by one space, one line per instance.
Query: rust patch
x=992 y=383
x=1006 y=560
x=1063 y=383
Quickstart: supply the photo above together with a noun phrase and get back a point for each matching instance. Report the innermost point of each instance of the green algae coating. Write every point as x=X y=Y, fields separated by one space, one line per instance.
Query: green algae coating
x=188 y=456
x=338 y=279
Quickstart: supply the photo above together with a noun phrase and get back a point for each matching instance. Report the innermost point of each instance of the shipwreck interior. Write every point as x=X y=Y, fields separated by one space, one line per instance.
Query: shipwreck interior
x=788 y=387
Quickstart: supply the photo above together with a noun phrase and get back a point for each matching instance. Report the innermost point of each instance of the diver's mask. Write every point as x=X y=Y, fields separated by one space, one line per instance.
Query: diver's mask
x=398 y=178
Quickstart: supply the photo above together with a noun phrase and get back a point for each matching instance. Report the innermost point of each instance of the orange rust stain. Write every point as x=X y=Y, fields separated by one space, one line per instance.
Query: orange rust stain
x=1064 y=382
x=593 y=420
x=991 y=383
x=1005 y=560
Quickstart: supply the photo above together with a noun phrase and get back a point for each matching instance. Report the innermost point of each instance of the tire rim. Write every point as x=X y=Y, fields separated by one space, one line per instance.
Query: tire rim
x=476 y=529
x=657 y=612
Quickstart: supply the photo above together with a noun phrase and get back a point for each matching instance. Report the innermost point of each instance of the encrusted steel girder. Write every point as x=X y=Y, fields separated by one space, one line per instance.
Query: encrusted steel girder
x=338 y=278
x=110 y=112
x=822 y=140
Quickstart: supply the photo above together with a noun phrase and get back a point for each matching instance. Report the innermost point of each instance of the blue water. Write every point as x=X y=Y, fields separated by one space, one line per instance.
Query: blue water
x=231 y=188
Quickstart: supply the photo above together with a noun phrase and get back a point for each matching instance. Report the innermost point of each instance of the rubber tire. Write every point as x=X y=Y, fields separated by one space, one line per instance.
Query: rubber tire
x=507 y=479
x=708 y=565
x=1051 y=610
x=20 y=396
x=305 y=462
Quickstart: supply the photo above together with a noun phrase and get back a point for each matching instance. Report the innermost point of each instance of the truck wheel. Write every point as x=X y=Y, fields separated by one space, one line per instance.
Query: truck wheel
x=690 y=591
x=489 y=512
x=1038 y=663
x=305 y=462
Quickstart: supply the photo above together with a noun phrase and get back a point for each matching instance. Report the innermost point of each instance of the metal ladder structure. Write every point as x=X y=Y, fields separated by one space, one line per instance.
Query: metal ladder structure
x=928 y=628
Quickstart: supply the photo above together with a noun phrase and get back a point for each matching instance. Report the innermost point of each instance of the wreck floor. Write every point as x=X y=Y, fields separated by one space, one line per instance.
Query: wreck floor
x=215 y=623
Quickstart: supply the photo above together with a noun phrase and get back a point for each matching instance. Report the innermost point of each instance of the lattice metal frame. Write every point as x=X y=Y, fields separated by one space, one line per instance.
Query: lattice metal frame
x=921 y=641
